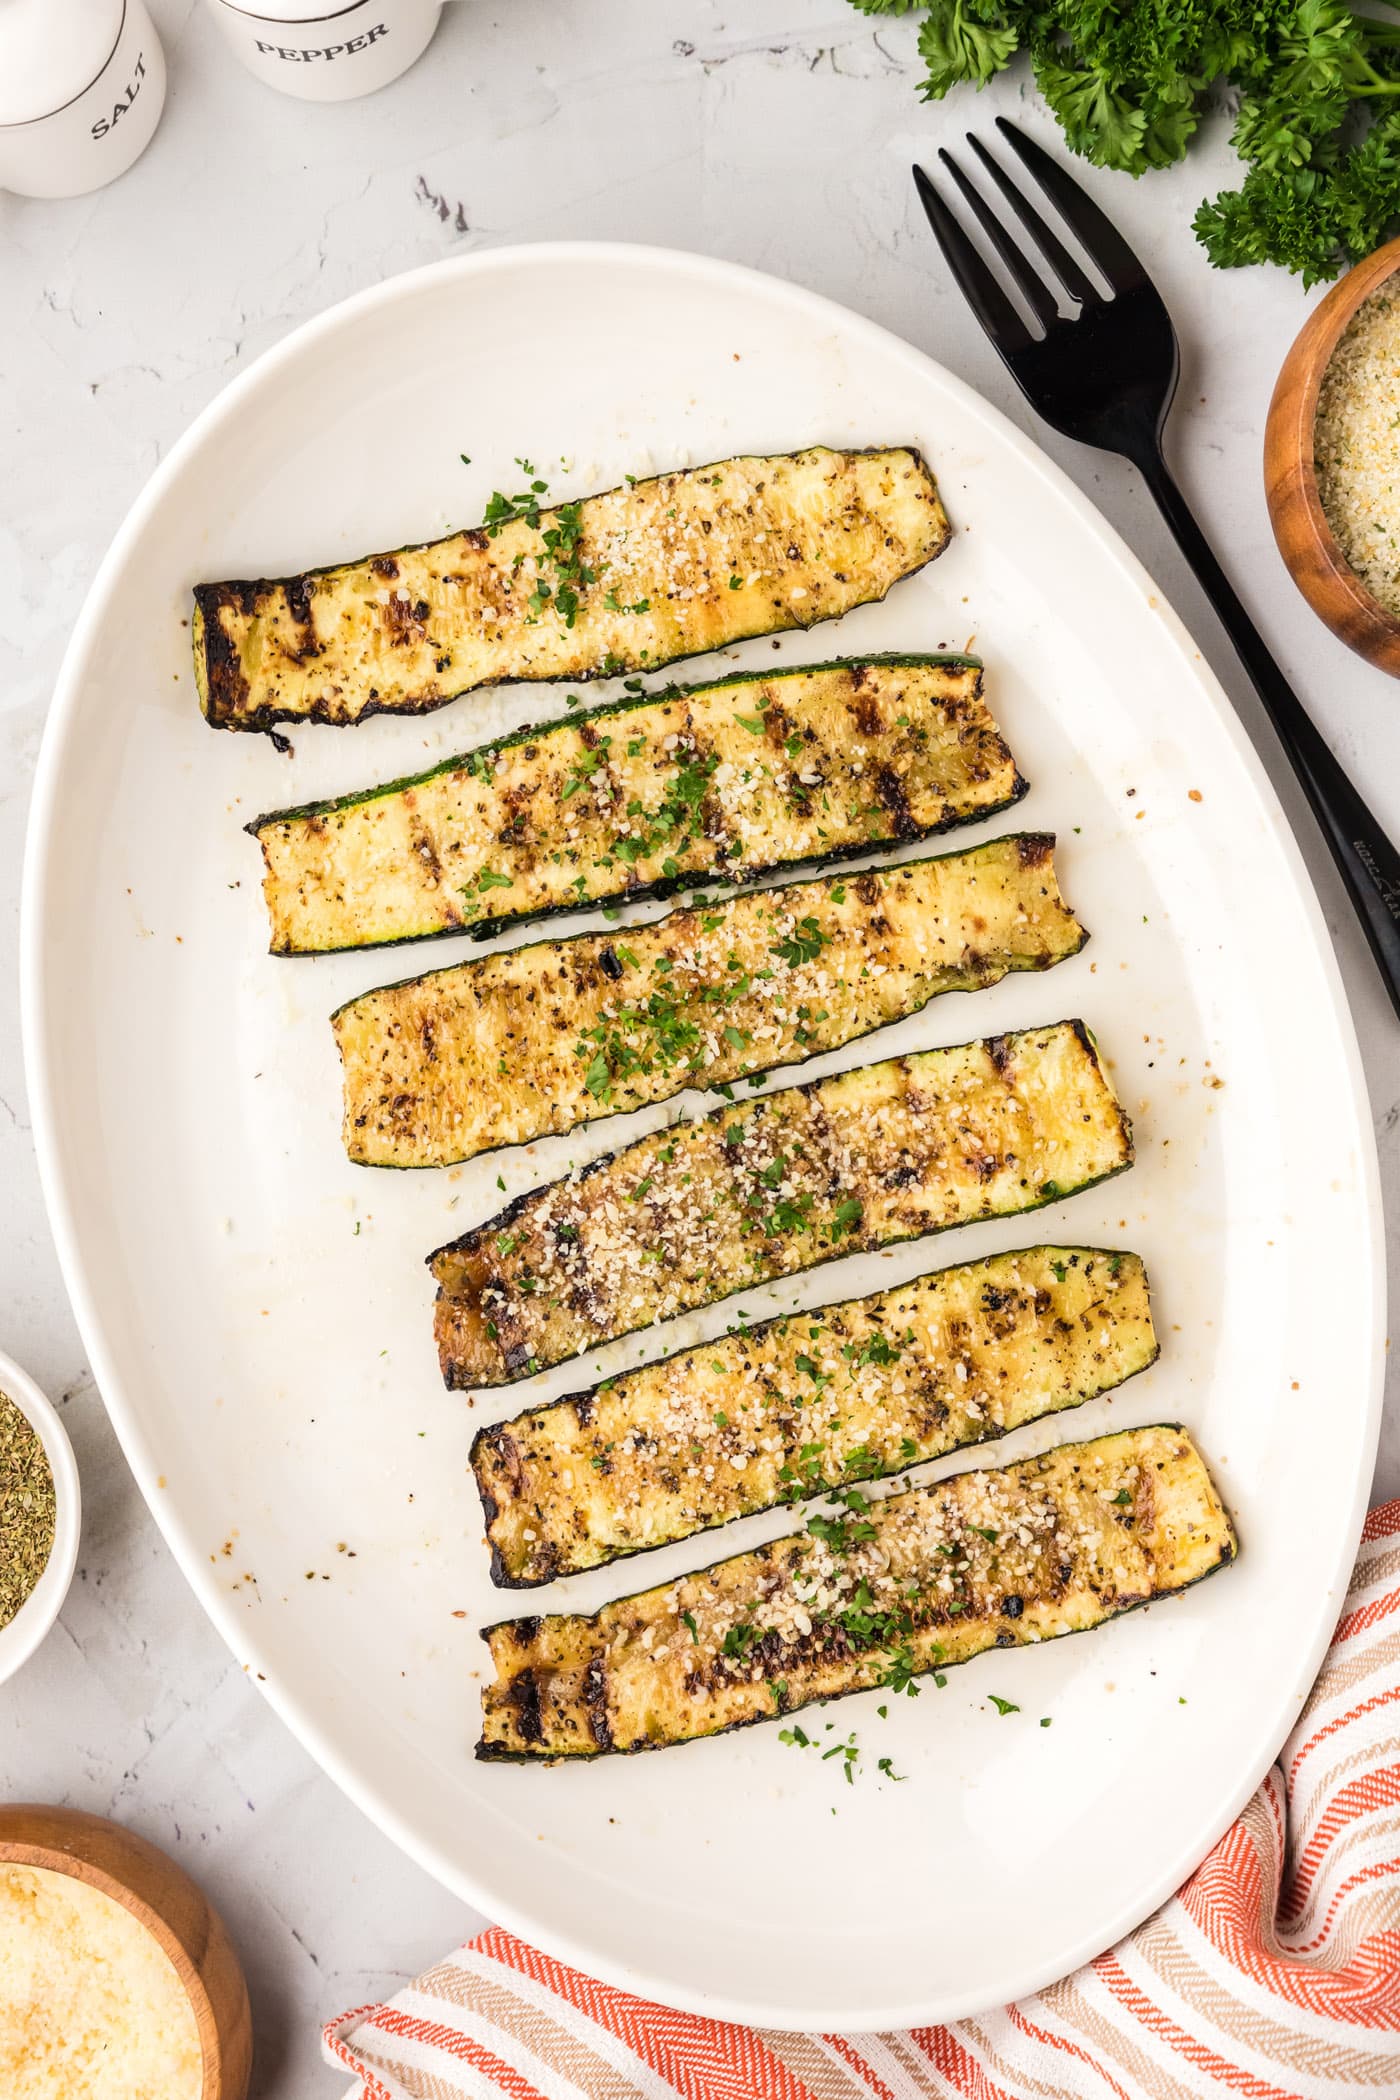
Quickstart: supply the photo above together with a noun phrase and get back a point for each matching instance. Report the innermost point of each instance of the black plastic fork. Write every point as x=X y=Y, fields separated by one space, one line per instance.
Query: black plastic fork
x=1106 y=375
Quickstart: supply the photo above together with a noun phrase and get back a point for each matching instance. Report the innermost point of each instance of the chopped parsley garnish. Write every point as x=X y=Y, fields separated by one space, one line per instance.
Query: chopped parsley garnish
x=802 y=946
x=688 y=1619
x=788 y=1216
x=1003 y=1706
x=503 y=510
x=877 y=1349
x=806 y=1475
x=902 y=1672
x=585 y=766
x=840 y=1533
x=862 y=1463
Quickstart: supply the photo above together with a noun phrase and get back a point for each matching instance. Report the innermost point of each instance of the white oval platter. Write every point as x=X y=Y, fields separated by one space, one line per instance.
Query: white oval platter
x=257 y=1311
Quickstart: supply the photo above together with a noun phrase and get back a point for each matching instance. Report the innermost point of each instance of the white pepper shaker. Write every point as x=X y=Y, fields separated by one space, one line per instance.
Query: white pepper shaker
x=82 y=84
x=328 y=50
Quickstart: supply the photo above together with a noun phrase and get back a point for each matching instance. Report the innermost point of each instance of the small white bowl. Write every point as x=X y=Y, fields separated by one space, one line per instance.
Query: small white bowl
x=41 y=1607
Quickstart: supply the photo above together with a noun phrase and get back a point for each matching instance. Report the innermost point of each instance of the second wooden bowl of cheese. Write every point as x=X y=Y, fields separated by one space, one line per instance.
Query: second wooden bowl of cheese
x=90 y=2005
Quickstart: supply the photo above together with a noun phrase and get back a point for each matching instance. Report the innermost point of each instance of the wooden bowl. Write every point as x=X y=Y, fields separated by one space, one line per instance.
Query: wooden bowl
x=1315 y=562
x=164 y=1899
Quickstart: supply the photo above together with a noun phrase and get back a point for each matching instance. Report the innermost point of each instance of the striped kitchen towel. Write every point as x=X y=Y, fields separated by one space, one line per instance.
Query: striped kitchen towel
x=1274 y=1973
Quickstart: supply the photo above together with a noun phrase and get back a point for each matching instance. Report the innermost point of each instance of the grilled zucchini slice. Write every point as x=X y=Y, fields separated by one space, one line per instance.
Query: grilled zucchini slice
x=800 y=1405
x=773 y=1186
x=642 y=798
x=873 y=1596
x=520 y=1045
x=625 y=581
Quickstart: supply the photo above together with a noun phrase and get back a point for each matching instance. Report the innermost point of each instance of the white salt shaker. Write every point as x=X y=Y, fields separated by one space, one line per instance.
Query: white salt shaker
x=324 y=52
x=82 y=83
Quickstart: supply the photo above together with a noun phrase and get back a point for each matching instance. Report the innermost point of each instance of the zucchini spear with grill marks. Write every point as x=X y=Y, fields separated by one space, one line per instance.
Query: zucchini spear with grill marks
x=625 y=581
x=801 y=1405
x=874 y=1595
x=514 y=1046
x=773 y=1186
x=736 y=780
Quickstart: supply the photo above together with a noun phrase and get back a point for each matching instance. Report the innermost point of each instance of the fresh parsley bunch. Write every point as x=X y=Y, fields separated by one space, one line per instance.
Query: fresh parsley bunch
x=1319 y=103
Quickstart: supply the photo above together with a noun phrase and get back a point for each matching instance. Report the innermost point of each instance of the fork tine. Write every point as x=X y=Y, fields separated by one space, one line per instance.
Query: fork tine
x=1105 y=245
x=983 y=294
x=1038 y=297
x=1049 y=243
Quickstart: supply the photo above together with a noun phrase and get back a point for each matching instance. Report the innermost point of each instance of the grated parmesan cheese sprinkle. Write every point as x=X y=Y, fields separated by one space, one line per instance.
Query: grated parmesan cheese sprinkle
x=1356 y=444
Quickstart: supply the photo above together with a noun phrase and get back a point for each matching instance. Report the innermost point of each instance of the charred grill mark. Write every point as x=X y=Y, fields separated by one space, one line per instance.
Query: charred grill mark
x=425 y=851
x=226 y=689
x=999 y=1051
x=777 y=724
x=404 y=621
x=869 y=720
x=298 y=593
x=385 y=565
x=545 y=1559
x=893 y=794
x=1035 y=848
x=595 y=1702
x=507 y=1455
x=524 y=1700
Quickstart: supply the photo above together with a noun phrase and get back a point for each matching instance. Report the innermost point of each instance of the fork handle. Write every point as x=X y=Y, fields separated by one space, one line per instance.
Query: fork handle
x=1368 y=862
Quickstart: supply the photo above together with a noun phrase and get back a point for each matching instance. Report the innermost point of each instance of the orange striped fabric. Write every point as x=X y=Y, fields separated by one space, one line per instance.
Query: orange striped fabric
x=1274 y=1974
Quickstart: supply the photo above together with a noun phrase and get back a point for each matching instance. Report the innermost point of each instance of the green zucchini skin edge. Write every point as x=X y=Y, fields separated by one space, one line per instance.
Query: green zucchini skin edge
x=665 y=886
x=495 y=1753
x=373 y=1166
x=530 y=732
x=549 y=940
x=502 y=1219
x=991 y=1435
x=208 y=640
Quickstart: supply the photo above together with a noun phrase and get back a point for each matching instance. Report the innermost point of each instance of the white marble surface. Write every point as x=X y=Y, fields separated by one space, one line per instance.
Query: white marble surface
x=779 y=134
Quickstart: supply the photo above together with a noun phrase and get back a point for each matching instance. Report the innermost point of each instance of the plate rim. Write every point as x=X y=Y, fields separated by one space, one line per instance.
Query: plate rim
x=40 y=842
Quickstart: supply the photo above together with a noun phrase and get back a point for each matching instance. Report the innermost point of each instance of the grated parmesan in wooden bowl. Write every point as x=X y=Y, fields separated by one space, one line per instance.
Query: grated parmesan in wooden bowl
x=1332 y=459
x=1356 y=444
x=91 y=2006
